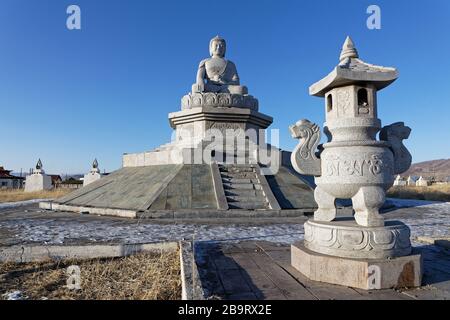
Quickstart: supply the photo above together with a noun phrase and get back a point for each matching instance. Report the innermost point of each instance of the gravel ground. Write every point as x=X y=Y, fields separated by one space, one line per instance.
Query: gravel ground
x=28 y=224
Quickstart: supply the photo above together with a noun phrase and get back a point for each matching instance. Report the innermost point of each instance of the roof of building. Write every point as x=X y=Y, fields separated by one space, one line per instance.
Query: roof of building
x=5 y=174
x=56 y=178
x=352 y=70
x=72 y=180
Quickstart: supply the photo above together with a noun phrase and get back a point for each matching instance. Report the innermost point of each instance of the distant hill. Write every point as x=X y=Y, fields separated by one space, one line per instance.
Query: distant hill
x=433 y=168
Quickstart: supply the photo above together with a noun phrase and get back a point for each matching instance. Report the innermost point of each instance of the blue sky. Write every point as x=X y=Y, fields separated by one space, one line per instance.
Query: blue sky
x=70 y=96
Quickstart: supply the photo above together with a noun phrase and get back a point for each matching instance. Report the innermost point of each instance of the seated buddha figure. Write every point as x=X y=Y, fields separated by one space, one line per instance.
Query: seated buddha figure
x=217 y=74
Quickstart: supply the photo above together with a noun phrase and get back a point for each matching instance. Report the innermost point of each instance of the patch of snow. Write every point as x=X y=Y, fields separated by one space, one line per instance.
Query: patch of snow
x=434 y=220
x=52 y=231
x=7 y=205
x=15 y=295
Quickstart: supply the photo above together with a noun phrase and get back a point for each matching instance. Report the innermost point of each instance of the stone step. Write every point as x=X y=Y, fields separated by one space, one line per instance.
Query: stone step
x=248 y=160
x=248 y=206
x=235 y=151
x=244 y=193
x=236 y=168
x=242 y=175
x=240 y=198
x=226 y=165
x=238 y=173
x=240 y=186
x=239 y=180
x=240 y=170
x=239 y=155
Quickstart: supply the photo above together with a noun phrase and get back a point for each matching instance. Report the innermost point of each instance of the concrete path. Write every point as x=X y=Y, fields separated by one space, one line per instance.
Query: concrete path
x=262 y=270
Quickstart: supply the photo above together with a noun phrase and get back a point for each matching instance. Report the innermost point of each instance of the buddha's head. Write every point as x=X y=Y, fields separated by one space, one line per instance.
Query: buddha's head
x=217 y=47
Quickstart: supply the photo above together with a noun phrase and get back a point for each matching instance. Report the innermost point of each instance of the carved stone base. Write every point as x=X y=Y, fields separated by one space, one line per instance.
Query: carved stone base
x=344 y=238
x=218 y=100
x=38 y=182
x=365 y=274
x=204 y=123
x=91 y=177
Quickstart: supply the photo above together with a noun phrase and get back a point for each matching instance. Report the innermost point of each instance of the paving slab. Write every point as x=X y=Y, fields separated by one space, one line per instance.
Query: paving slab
x=262 y=270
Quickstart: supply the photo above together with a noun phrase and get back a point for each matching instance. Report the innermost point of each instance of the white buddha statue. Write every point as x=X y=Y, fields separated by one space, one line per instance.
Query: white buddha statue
x=216 y=74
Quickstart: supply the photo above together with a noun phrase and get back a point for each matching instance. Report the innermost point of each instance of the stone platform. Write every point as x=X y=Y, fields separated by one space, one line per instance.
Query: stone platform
x=367 y=274
x=204 y=190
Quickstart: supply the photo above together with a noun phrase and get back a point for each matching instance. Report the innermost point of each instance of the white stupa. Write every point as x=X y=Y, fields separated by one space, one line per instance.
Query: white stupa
x=38 y=180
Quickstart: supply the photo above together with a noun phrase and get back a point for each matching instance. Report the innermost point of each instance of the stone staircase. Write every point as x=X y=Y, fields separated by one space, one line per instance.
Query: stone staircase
x=242 y=187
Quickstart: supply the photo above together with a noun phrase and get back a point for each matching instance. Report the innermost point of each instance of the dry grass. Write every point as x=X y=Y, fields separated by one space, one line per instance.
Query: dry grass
x=138 y=277
x=437 y=192
x=21 y=195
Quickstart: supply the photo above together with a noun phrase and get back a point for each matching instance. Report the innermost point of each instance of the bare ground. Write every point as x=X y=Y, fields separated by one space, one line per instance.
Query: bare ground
x=438 y=192
x=21 y=195
x=138 y=277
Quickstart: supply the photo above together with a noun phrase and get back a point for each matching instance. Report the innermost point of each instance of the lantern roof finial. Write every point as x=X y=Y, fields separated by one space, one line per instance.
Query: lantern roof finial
x=348 y=50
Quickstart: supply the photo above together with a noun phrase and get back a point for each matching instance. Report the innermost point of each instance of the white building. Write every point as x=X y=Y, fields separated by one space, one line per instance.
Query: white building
x=399 y=181
x=422 y=182
x=8 y=181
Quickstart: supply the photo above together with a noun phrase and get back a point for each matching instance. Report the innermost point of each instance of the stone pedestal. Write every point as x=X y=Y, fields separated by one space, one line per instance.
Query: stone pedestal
x=345 y=238
x=367 y=274
x=90 y=177
x=345 y=253
x=198 y=127
x=38 y=182
x=196 y=124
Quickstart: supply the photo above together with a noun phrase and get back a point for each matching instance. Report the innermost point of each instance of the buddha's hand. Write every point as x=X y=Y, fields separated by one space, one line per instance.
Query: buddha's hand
x=199 y=87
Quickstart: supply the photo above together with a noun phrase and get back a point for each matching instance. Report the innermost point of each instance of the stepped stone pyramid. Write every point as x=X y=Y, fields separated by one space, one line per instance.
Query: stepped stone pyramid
x=218 y=165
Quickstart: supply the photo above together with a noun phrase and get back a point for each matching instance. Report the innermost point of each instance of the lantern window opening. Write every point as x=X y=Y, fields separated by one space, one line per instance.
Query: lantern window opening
x=363 y=98
x=329 y=102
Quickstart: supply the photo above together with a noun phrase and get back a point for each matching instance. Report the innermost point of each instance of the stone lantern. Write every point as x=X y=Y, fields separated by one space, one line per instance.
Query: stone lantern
x=353 y=164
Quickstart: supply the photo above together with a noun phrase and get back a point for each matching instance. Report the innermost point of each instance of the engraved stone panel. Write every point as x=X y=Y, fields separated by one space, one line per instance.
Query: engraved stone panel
x=344 y=100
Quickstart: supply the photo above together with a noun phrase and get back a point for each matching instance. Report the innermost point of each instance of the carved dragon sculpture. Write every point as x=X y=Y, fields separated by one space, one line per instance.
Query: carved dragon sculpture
x=395 y=134
x=304 y=158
